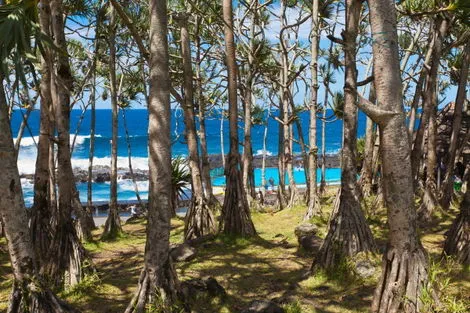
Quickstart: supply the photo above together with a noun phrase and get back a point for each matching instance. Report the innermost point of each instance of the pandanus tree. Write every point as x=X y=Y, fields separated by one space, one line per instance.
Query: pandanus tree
x=236 y=218
x=158 y=286
x=30 y=292
x=199 y=220
x=404 y=264
x=112 y=227
x=348 y=231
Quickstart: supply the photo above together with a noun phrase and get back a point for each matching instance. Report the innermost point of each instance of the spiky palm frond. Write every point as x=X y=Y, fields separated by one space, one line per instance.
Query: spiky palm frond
x=180 y=176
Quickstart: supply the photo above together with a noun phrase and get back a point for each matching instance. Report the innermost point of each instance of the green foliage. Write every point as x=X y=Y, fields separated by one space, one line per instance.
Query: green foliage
x=293 y=307
x=180 y=176
x=433 y=297
x=88 y=283
x=18 y=25
x=338 y=104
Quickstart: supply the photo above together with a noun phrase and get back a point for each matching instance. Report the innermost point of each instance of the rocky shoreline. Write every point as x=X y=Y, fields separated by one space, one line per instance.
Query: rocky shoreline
x=101 y=173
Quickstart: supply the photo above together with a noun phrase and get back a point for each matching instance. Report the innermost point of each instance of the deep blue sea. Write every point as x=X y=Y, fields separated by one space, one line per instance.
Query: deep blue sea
x=137 y=123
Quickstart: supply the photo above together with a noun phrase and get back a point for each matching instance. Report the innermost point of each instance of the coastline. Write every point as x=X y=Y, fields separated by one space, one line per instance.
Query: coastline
x=101 y=173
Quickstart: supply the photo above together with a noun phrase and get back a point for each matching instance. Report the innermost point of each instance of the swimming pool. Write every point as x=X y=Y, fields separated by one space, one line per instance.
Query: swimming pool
x=332 y=175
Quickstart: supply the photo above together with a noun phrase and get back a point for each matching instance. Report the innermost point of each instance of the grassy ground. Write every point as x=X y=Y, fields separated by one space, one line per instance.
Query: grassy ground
x=266 y=267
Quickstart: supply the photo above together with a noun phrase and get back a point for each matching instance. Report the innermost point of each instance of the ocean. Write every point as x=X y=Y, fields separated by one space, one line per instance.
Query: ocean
x=137 y=123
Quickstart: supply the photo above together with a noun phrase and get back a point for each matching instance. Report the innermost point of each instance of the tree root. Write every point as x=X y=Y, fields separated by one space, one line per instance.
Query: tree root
x=348 y=234
x=32 y=297
x=458 y=238
x=429 y=205
x=161 y=294
x=404 y=276
x=199 y=219
x=67 y=260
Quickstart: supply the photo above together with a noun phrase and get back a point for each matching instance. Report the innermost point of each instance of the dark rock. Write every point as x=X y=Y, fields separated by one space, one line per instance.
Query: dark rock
x=364 y=268
x=210 y=285
x=306 y=236
x=214 y=288
x=182 y=252
x=263 y=306
x=102 y=177
x=310 y=243
x=305 y=230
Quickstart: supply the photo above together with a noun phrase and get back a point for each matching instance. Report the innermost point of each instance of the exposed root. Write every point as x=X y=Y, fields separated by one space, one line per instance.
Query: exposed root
x=158 y=293
x=112 y=227
x=348 y=234
x=458 y=237
x=404 y=276
x=236 y=212
x=314 y=209
x=32 y=297
x=430 y=203
x=199 y=219
x=67 y=264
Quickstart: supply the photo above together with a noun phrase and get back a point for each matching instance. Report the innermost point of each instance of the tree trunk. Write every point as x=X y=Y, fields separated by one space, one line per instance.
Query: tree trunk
x=447 y=186
x=201 y=105
x=313 y=200
x=158 y=284
x=199 y=219
x=457 y=243
x=112 y=227
x=404 y=265
x=129 y=158
x=66 y=252
x=430 y=201
x=440 y=30
x=367 y=166
x=40 y=225
x=235 y=211
x=348 y=232
x=30 y=293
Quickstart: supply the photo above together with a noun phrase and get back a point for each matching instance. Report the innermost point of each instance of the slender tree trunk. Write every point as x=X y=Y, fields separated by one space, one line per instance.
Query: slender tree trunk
x=235 y=211
x=430 y=201
x=457 y=243
x=205 y=165
x=129 y=158
x=265 y=152
x=158 y=284
x=447 y=186
x=313 y=200
x=222 y=137
x=367 y=166
x=112 y=227
x=66 y=252
x=30 y=292
x=199 y=219
x=348 y=231
x=440 y=31
x=40 y=225
x=404 y=265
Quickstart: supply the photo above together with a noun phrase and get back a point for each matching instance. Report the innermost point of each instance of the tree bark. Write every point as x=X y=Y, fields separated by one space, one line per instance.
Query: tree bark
x=404 y=265
x=367 y=166
x=348 y=231
x=447 y=186
x=41 y=227
x=313 y=200
x=199 y=219
x=158 y=284
x=30 y=293
x=112 y=227
x=66 y=251
x=440 y=30
x=235 y=211
x=457 y=243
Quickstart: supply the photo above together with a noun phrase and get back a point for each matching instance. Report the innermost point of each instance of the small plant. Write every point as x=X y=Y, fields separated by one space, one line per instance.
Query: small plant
x=433 y=295
x=293 y=307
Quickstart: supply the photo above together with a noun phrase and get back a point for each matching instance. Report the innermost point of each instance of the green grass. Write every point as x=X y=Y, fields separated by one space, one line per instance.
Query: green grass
x=268 y=266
